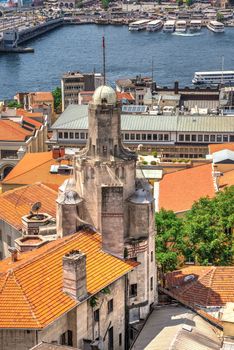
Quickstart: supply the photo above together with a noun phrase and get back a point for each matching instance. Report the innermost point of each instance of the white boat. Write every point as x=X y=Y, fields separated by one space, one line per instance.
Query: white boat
x=181 y=26
x=214 y=78
x=138 y=25
x=154 y=25
x=195 y=26
x=215 y=26
x=169 y=26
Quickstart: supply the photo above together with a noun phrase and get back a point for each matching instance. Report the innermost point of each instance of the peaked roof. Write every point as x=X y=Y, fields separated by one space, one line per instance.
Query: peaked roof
x=219 y=147
x=204 y=285
x=35 y=167
x=12 y=131
x=31 y=295
x=17 y=202
x=179 y=190
x=223 y=155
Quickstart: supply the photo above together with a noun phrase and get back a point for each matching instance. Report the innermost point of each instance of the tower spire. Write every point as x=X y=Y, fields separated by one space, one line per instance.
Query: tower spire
x=104 y=58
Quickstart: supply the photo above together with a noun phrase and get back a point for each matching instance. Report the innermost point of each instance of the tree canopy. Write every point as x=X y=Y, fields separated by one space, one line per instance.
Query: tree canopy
x=203 y=236
x=14 y=104
x=57 y=99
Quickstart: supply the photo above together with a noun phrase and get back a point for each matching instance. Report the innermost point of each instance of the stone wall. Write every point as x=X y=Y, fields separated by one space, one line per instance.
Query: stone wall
x=17 y=339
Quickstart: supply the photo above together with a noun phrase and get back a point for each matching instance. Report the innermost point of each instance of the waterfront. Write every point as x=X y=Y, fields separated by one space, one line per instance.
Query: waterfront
x=176 y=57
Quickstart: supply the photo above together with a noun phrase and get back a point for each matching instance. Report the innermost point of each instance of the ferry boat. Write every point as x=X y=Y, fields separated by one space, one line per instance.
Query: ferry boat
x=154 y=25
x=138 y=25
x=195 y=26
x=169 y=26
x=214 y=78
x=215 y=26
x=181 y=26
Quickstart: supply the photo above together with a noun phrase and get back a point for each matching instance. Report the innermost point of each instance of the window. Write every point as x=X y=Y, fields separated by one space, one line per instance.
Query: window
x=151 y=283
x=206 y=138
x=155 y=137
x=194 y=138
x=219 y=138
x=143 y=136
x=7 y=153
x=82 y=135
x=133 y=290
x=96 y=315
x=9 y=240
x=71 y=135
x=200 y=138
x=231 y=138
x=111 y=338
x=160 y=137
x=138 y=136
x=86 y=135
x=66 y=135
x=66 y=338
x=151 y=256
x=181 y=137
x=187 y=138
x=149 y=137
x=77 y=135
x=110 y=306
x=225 y=138
x=1 y=255
x=60 y=135
x=0 y=235
x=212 y=138
x=166 y=137
x=126 y=136
x=120 y=339
x=132 y=136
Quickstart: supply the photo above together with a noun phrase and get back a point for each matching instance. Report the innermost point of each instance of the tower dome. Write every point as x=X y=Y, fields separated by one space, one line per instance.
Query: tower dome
x=104 y=94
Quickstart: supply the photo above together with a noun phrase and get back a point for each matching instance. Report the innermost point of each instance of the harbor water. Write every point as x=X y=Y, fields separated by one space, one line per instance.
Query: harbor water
x=176 y=56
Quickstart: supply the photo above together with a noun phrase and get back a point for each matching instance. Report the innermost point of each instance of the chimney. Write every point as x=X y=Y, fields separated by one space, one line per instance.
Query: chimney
x=176 y=87
x=74 y=274
x=56 y=152
x=14 y=253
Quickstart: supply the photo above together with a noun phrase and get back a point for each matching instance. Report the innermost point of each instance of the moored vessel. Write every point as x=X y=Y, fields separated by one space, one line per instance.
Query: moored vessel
x=214 y=78
x=138 y=25
x=216 y=26
x=169 y=26
x=152 y=26
x=195 y=26
x=181 y=26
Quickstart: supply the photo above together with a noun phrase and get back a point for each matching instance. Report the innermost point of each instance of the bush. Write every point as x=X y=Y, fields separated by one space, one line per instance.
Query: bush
x=153 y=162
x=155 y=154
x=145 y=162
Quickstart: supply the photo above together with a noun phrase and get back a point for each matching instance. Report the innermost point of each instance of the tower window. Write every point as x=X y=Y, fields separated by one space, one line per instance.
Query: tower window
x=120 y=339
x=152 y=256
x=133 y=290
x=110 y=306
x=151 y=283
x=96 y=315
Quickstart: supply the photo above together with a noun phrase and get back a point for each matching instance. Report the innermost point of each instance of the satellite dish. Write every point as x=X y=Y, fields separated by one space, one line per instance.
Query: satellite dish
x=35 y=207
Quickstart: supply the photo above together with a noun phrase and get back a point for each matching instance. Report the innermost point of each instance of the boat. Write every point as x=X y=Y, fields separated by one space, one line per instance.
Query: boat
x=195 y=26
x=181 y=26
x=152 y=26
x=138 y=25
x=216 y=26
x=169 y=26
x=214 y=78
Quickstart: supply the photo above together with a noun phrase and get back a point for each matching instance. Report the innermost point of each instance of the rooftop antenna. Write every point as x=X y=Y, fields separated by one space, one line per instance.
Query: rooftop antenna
x=222 y=69
x=104 y=59
x=35 y=208
x=152 y=74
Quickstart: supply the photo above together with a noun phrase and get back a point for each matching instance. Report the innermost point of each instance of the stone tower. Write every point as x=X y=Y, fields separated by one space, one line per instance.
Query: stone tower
x=113 y=201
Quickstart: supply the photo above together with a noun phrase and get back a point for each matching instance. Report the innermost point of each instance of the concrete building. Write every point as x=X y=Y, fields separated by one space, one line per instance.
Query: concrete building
x=172 y=136
x=72 y=83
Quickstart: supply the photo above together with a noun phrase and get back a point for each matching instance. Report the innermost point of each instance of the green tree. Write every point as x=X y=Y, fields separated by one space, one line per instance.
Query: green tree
x=105 y=4
x=208 y=230
x=14 y=104
x=57 y=94
x=189 y=2
x=168 y=240
x=219 y=17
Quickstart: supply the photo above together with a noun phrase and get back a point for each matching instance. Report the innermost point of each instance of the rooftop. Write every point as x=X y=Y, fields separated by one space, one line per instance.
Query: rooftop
x=76 y=117
x=219 y=147
x=17 y=202
x=202 y=285
x=35 y=167
x=12 y=131
x=31 y=294
x=42 y=96
x=179 y=190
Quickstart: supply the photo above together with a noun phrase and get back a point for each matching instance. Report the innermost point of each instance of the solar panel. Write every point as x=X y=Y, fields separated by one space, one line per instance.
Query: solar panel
x=134 y=109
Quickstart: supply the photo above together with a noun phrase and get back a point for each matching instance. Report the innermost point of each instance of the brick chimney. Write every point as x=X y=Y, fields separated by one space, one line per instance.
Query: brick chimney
x=14 y=253
x=74 y=274
x=176 y=87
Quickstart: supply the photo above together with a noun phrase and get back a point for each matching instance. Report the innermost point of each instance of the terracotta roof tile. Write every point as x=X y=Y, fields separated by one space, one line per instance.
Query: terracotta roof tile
x=219 y=147
x=34 y=123
x=17 y=202
x=179 y=190
x=12 y=131
x=35 y=167
x=211 y=286
x=41 y=96
x=31 y=294
x=22 y=112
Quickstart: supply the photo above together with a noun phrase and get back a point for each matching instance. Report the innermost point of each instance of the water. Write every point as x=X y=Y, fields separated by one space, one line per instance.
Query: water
x=176 y=56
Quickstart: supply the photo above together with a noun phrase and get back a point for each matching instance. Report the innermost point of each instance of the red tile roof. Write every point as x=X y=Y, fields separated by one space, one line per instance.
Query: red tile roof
x=24 y=113
x=219 y=147
x=17 y=202
x=124 y=96
x=12 y=131
x=42 y=96
x=207 y=286
x=31 y=294
x=34 y=123
x=35 y=167
x=179 y=190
